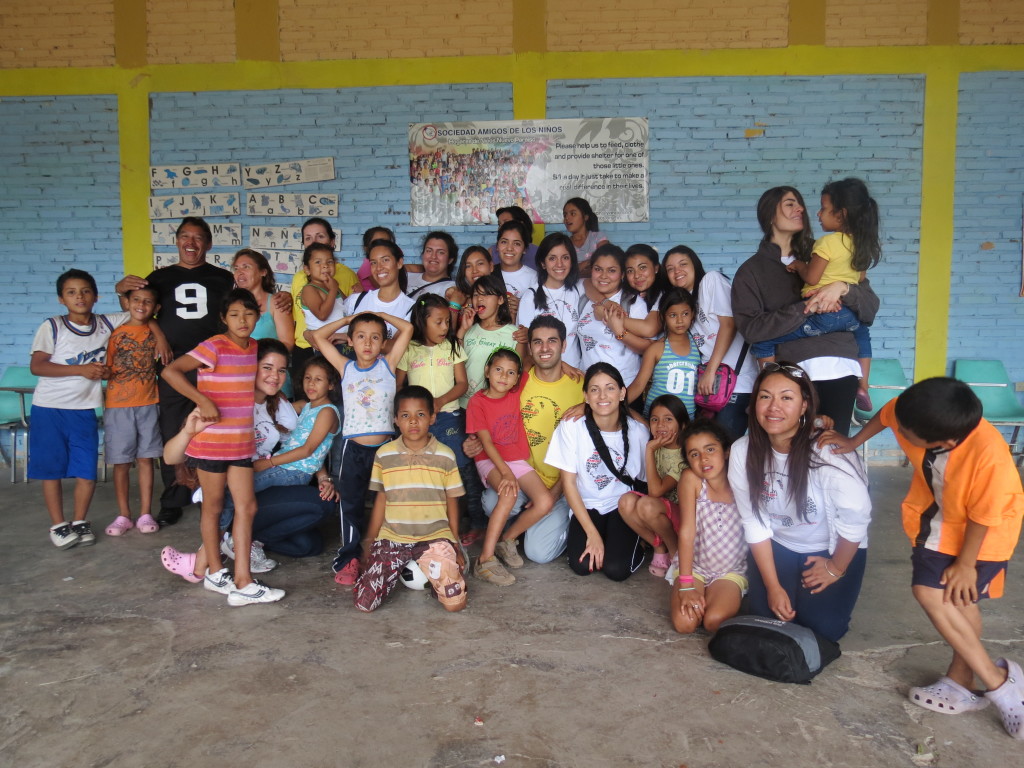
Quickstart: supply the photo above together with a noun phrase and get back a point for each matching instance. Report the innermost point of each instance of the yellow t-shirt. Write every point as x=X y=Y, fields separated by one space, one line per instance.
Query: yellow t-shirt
x=433 y=368
x=837 y=249
x=543 y=404
x=347 y=280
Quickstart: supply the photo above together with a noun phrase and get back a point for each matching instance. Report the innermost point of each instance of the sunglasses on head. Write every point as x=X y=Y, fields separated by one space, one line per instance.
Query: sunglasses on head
x=793 y=370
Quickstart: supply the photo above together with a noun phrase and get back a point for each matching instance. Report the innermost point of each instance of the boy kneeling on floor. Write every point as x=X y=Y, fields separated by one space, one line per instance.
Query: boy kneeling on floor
x=963 y=516
x=416 y=513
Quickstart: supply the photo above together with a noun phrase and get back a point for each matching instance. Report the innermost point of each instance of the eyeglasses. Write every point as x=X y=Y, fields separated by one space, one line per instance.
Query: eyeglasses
x=793 y=370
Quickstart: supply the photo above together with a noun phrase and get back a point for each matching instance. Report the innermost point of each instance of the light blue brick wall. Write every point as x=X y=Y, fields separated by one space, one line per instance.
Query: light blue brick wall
x=365 y=130
x=706 y=177
x=60 y=208
x=986 y=318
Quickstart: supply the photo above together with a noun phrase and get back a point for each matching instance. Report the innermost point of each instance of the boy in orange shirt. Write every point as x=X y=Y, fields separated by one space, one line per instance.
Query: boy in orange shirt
x=963 y=516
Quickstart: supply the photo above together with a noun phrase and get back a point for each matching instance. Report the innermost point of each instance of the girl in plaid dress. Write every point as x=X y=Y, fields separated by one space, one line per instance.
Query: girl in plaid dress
x=712 y=561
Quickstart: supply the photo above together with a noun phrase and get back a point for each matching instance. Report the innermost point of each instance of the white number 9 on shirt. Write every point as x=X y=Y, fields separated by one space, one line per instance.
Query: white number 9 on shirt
x=191 y=300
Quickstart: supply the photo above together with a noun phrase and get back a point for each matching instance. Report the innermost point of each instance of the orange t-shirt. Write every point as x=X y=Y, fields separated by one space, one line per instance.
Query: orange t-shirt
x=131 y=354
x=980 y=484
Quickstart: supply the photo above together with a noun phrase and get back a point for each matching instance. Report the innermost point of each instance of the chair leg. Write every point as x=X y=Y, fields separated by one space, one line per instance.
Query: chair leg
x=14 y=455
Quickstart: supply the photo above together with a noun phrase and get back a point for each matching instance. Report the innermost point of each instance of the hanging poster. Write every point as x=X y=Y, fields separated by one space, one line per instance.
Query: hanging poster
x=193 y=176
x=178 y=206
x=291 y=204
x=263 y=236
x=460 y=173
x=276 y=174
x=170 y=258
x=162 y=233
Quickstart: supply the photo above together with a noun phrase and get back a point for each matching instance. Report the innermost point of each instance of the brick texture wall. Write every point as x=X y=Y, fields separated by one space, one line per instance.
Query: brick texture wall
x=353 y=29
x=68 y=33
x=611 y=25
x=199 y=31
x=876 y=22
x=989 y=22
x=986 y=314
x=60 y=207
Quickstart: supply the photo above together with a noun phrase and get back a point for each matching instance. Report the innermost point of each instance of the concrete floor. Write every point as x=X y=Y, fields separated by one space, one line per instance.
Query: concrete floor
x=108 y=660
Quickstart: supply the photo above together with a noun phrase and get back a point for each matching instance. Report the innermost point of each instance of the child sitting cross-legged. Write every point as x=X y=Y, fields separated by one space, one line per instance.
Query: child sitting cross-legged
x=416 y=512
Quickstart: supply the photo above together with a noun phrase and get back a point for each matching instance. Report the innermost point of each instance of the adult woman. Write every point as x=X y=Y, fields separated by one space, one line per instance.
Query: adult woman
x=557 y=292
x=767 y=304
x=515 y=213
x=437 y=260
x=805 y=510
x=287 y=518
x=252 y=272
x=366 y=281
x=583 y=227
x=599 y=457
x=714 y=333
x=607 y=332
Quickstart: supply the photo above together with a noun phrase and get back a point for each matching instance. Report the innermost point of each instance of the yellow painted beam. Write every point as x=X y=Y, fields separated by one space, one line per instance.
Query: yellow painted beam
x=806 y=22
x=934 y=264
x=133 y=135
x=943 y=27
x=130 y=33
x=257 y=30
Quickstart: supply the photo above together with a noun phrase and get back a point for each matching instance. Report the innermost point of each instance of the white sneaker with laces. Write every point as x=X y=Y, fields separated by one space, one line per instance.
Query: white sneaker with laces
x=258 y=560
x=219 y=582
x=256 y=592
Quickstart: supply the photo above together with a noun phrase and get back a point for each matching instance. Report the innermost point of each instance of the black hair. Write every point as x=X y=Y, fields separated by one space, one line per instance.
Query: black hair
x=421 y=311
x=368 y=237
x=674 y=406
x=507 y=354
x=309 y=250
x=449 y=244
x=494 y=285
x=267 y=280
x=859 y=215
x=414 y=392
x=333 y=379
x=369 y=317
x=677 y=296
x=396 y=252
x=271 y=346
x=591 y=425
x=77 y=274
x=698 y=265
x=460 y=275
x=547 y=321
x=658 y=286
x=196 y=221
x=939 y=408
x=151 y=288
x=323 y=223
x=589 y=217
x=239 y=296
x=540 y=299
x=803 y=241
x=520 y=215
x=706 y=427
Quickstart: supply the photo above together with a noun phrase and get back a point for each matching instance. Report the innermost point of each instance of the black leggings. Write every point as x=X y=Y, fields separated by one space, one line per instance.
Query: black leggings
x=835 y=399
x=622 y=552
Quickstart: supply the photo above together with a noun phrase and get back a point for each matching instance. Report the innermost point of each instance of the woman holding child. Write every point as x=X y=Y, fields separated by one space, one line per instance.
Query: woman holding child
x=805 y=510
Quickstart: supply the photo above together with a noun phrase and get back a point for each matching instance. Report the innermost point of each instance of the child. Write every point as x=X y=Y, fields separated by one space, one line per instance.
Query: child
x=68 y=356
x=709 y=572
x=367 y=390
x=303 y=451
x=222 y=453
x=415 y=514
x=486 y=325
x=512 y=241
x=495 y=416
x=319 y=298
x=655 y=515
x=963 y=516
x=851 y=215
x=131 y=428
x=671 y=366
x=557 y=292
x=475 y=263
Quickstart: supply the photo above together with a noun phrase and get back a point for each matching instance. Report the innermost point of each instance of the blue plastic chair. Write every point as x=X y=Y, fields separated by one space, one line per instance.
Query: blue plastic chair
x=15 y=410
x=989 y=381
x=886 y=382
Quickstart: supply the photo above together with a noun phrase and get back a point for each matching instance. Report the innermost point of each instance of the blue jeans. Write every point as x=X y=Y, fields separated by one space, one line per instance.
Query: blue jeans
x=288 y=520
x=278 y=475
x=827 y=613
x=544 y=540
x=818 y=325
x=733 y=418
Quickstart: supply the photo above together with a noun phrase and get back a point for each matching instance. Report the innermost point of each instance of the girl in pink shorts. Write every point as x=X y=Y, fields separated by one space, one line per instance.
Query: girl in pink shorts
x=495 y=415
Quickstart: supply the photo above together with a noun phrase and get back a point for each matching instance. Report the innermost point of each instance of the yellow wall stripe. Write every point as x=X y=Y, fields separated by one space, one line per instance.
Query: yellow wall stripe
x=133 y=132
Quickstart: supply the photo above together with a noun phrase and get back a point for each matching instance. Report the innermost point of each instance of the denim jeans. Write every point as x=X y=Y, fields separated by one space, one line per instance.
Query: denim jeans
x=818 y=325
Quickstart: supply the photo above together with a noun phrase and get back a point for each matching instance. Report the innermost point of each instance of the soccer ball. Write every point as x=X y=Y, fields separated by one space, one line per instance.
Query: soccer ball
x=412 y=576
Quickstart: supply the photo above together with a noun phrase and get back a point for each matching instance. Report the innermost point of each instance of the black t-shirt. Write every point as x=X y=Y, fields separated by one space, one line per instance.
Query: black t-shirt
x=190 y=303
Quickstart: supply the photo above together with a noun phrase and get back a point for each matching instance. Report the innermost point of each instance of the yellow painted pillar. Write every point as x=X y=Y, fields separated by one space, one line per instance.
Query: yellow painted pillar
x=530 y=84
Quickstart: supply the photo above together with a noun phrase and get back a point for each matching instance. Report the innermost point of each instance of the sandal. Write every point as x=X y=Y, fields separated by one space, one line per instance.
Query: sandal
x=147 y=524
x=180 y=564
x=660 y=564
x=120 y=526
x=1009 y=698
x=946 y=696
x=471 y=537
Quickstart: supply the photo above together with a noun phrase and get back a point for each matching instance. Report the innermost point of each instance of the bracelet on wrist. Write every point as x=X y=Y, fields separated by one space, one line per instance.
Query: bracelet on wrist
x=271 y=460
x=687 y=589
x=685 y=580
x=829 y=570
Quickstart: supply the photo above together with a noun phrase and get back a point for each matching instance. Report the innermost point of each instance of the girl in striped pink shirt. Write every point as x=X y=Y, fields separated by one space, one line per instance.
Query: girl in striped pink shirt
x=222 y=453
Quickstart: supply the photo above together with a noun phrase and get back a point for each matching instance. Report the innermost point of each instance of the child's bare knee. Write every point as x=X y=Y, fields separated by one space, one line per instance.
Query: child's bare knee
x=682 y=625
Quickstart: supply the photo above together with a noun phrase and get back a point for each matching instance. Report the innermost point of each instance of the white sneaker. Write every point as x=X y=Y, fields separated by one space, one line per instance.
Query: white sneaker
x=62 y=536
x=256 y=592
x=220 y=582
x=197 y=496
x=258 y=560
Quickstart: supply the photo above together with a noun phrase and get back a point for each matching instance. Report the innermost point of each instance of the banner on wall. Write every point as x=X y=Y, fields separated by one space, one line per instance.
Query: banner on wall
x=162 y=233
x=460 y=173
x=192 y=176
x=179 y=206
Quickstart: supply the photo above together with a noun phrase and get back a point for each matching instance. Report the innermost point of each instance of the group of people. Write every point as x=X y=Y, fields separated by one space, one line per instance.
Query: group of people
x=574 y=405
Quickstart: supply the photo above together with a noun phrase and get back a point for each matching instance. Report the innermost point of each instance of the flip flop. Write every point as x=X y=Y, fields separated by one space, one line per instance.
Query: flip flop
x=946 y=696
x=471 y=537
x=120 y=526
x=147 y=524
x=660 y=564
x=180 y=564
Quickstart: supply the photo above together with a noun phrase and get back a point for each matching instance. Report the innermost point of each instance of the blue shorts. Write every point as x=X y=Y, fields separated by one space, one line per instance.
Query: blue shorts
x=927 y=567
x=63 y=443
